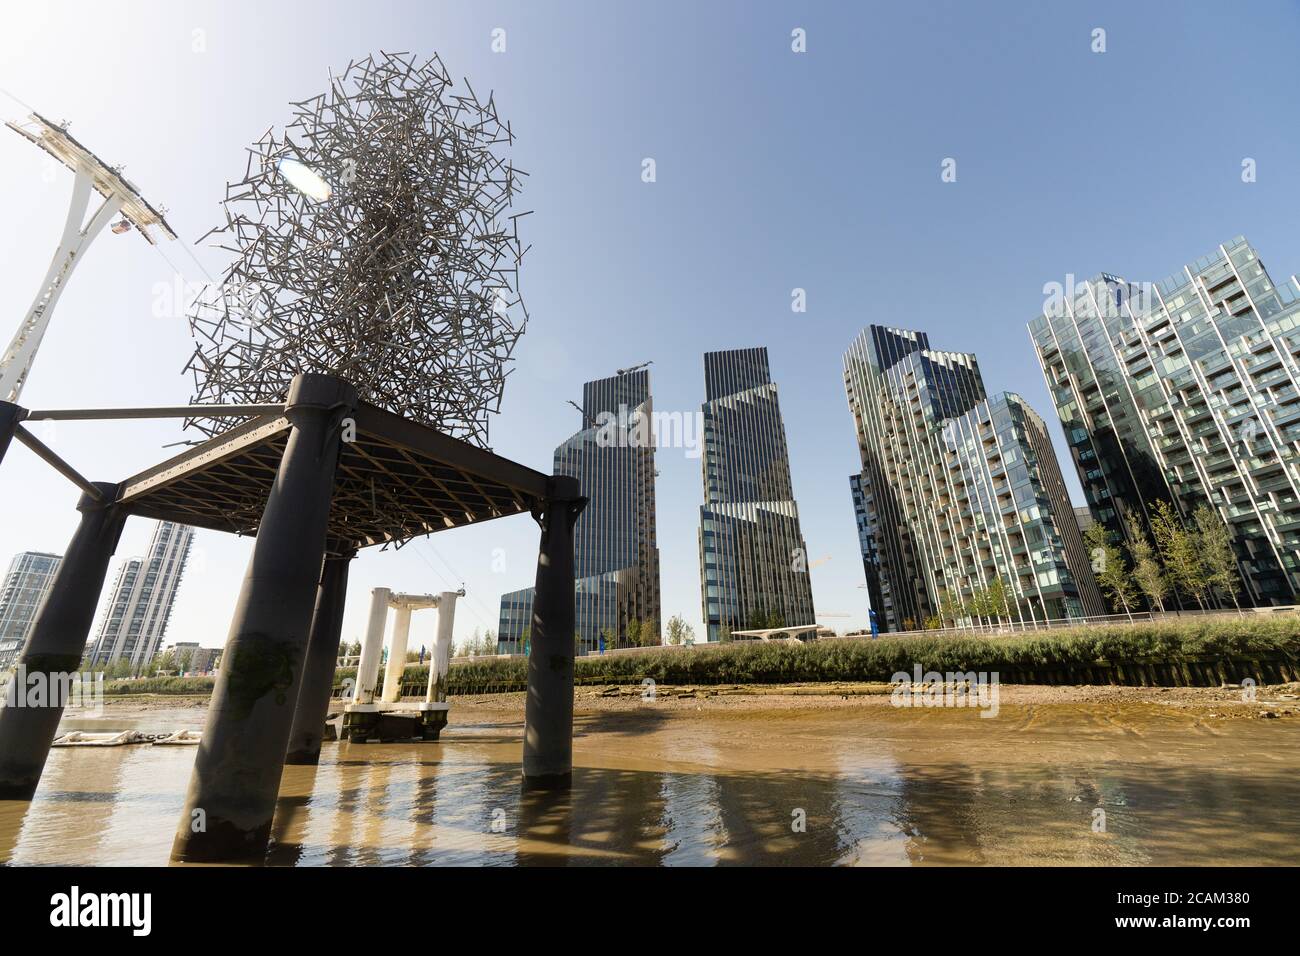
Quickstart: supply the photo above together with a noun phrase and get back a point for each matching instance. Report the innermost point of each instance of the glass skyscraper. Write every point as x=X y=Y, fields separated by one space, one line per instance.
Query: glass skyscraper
x=516 y=621
x=25 y=586
x=140 y=604
x=956 y=489
x=862 y=504
x=1186 y=391
x=616 y=557
x=753 y=560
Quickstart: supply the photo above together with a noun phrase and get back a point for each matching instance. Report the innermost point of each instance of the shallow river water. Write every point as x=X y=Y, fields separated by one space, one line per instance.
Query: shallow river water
x=1106 y=784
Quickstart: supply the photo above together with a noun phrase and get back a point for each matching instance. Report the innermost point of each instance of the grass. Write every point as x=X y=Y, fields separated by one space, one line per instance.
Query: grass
x=865 y=660
x=160 y=685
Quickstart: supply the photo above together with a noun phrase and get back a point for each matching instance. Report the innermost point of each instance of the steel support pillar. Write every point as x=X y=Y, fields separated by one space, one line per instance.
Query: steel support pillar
x=548 y=710
x=322 y=659
x=51 y=658
x=10 y=416
x=236 y=778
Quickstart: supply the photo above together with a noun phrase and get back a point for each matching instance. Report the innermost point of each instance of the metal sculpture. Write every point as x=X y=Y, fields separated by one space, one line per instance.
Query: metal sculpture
x=373 y=240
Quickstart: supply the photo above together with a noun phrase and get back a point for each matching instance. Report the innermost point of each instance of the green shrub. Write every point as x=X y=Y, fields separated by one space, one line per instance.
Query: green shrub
x=859 y=659
x=160 y=685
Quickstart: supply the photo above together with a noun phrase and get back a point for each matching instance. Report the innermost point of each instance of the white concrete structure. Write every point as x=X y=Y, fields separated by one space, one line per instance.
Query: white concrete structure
x=799 y=634
x=389 y=700
x=119 y=197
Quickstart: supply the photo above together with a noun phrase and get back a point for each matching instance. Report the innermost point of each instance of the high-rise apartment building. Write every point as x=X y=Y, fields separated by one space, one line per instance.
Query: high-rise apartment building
x=957 y=490
x=862 y=504
x=514 y=626
x=753 y=560
x=1186 y=391
x=616 y=557
x=140 y=604
x=25 y=586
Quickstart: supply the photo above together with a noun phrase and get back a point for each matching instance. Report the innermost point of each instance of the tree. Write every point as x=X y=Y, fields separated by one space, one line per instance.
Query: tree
x=166 y=661
x=611 y=639
x=1218 y=560
x=679 y=630
x=1149 y=576
x=724 y=635
x=634 y=633
x=977 y=605
x=951 y=609
x=1110 y=569
x=997 y=600
x=183 y=661
x=650 y=633
x=1179 y=551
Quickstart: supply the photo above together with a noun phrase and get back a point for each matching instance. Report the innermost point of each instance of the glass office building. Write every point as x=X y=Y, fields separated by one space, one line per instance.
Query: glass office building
x=516 y=621
x=25 y=586
x=616 y=556
x=957 y=489
x=140 y=604
x=1186 y=391
x=753 y=560
x=862 y=504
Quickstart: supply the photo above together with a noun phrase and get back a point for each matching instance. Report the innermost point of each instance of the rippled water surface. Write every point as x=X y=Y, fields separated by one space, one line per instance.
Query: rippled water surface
x=876 y=787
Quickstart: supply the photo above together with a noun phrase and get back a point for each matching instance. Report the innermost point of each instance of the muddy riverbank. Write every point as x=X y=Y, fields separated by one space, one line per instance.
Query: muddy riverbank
x=1207 y=702
x=708 y=776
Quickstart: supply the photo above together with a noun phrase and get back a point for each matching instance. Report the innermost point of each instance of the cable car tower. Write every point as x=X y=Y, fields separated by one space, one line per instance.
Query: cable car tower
x=119 y=197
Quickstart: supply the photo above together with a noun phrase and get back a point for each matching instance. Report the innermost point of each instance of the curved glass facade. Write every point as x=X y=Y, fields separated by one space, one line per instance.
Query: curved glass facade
x=1186 y=391
x=956 y=489
x=753 y=560
x=616 y=556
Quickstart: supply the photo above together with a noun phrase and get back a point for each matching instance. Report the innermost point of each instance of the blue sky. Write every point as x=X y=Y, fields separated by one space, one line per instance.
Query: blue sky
x=775 y=171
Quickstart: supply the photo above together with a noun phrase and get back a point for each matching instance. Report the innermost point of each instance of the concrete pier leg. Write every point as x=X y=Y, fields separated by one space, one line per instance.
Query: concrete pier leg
x=10 y=416
x=371 y=647
x=440 y=659
x=548 y=710
x=52 y=655
x=361 y=715
x=237 y=769
x=434 y=718
x=322 y=659
x=397 y=655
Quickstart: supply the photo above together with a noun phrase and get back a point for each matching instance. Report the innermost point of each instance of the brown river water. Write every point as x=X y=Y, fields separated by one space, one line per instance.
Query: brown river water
x=774 y=783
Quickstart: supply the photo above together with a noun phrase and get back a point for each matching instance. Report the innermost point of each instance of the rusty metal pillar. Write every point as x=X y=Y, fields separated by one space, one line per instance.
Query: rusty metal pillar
x=236 y=778
x=52 y=655
x=322 y=659
x=548 y=711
